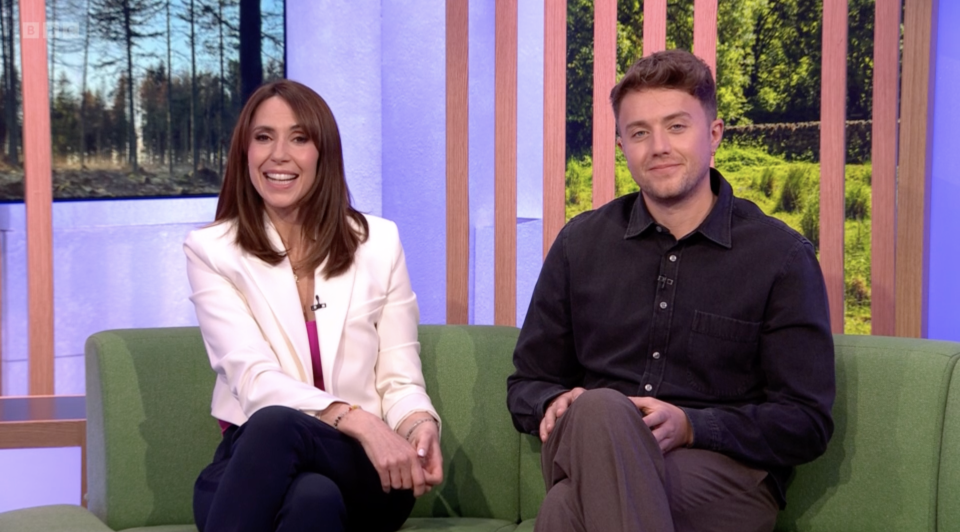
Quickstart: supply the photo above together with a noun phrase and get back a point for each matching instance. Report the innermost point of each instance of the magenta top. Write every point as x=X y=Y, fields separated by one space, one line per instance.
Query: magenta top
x=314 y=360
x=315 y=354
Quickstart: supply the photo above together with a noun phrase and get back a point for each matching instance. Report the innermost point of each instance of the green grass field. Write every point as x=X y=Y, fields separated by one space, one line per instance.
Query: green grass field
x=786 y=190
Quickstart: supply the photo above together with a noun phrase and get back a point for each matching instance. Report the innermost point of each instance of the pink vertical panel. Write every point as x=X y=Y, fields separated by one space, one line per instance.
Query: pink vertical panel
x=604 y=78
x=833 y=155
x=38 y=194
x=654 y=26
x=916 y=158
x=505 y=164
x=458 y=168
x=705 y=32
x=554 y=119
x=886 y=86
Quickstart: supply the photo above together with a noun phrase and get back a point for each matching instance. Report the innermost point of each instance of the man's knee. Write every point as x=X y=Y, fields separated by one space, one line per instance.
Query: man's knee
x=604 y=404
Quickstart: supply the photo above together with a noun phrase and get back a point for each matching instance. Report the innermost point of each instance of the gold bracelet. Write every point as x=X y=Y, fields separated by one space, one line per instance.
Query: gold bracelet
x=336 y=422
x=418 y=422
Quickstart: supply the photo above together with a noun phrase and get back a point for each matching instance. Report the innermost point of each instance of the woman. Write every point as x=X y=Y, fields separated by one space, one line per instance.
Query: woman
x=310 y=323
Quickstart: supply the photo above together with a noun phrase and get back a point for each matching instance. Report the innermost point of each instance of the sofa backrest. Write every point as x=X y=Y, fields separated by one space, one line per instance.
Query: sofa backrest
x=532 y=489
x=948 y=500
x=149 y=430
x=465 y=368
x=882 y=467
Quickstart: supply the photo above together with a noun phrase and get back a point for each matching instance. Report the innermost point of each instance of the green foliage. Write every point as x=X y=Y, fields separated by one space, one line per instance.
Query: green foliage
x=766 y=182
x=793 y=189
x=857 y=292
x=861 y=173
x=734 y=158
x=579 y=77
x=624 y=180
x=579 y=180
x=857 y=201
x=810 y=223
x=768 y=59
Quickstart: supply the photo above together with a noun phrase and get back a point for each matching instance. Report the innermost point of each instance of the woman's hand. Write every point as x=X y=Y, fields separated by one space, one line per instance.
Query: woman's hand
x=394 y=458
x=425 y=438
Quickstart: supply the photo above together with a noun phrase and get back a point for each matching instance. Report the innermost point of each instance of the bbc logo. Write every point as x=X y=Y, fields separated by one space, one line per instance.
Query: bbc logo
x=51 y=30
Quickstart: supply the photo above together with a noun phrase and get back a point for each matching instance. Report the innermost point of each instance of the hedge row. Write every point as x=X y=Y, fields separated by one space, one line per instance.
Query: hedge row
x=801 y=141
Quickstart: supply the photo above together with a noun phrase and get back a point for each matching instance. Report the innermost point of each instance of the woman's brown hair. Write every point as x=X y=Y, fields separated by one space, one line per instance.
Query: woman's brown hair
x=331 y=228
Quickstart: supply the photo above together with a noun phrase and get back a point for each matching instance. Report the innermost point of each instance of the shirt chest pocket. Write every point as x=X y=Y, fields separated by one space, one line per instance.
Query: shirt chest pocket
x=722 y=354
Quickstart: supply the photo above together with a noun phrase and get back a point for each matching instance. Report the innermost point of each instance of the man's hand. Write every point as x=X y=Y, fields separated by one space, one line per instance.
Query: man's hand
x=669 y=424
x=555 y=409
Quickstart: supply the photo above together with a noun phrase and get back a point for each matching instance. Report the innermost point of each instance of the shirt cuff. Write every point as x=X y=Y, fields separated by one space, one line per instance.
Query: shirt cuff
x=706 y=430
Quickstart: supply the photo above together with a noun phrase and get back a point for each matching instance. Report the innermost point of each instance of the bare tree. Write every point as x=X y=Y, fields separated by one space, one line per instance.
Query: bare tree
x=83 y=85
x=251 y=62
x=11 y=101
x=170 y=151
x=126 y=22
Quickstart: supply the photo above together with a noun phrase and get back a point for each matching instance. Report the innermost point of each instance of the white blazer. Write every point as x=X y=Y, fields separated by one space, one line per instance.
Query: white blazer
x=250 y=316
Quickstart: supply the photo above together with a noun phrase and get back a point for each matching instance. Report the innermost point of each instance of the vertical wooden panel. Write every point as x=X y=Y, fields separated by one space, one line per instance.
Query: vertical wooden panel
x=604 y=78
x=505 y=164
x=883 y=229
x=916 y=154
x=38 y=194
x=458 y=162
x=554 y=119
x=705 y=32
x=654 y=26
x=833 y=155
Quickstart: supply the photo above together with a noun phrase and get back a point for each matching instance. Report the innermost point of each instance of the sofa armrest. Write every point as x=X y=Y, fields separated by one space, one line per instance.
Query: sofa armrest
x=53 y=518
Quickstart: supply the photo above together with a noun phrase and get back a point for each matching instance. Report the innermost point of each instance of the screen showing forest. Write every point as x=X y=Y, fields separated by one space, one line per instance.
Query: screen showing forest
x=144 y=94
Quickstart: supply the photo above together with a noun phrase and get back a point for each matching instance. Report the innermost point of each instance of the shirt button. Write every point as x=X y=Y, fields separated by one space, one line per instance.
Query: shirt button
x=656 y=355
x=673 y=258
x=663 y=304
x=648 y=387
x=659 y=229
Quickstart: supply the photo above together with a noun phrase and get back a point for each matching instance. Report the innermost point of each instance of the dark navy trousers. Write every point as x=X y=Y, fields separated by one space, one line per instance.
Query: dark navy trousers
x=287 y=471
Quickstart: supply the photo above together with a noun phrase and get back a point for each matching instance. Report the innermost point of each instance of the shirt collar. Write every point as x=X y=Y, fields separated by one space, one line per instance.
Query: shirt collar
x=716 y=226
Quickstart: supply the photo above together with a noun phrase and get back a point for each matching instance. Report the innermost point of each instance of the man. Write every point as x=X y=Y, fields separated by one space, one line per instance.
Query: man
x=676 y=359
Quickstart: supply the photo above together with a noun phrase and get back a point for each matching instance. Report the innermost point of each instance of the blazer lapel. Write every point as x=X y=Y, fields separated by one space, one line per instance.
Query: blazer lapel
x=280 y=291
x=334 y=294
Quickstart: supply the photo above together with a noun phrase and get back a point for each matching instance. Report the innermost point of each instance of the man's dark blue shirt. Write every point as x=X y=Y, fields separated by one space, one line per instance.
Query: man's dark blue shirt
x=730 y=323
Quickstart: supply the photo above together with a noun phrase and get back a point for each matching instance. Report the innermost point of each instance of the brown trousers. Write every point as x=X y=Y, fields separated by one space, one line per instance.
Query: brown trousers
x=604 y=472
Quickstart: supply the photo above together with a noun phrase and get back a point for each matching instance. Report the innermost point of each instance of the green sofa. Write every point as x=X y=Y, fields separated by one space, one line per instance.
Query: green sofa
x=894 y=462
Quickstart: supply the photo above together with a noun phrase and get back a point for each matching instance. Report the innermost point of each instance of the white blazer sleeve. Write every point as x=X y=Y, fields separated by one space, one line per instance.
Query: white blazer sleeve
x=399 y=375
x=244 y=361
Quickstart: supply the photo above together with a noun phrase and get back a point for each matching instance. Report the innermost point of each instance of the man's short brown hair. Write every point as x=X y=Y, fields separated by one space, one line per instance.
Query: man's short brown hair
x=669 y=69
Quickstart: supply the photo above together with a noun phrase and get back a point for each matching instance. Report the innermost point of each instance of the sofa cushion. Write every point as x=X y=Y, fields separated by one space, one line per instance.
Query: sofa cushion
x=532 y=489
x=526 y=525
x=458 y=524
x=467 y=384
x=52 y=518
x=880 y=470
